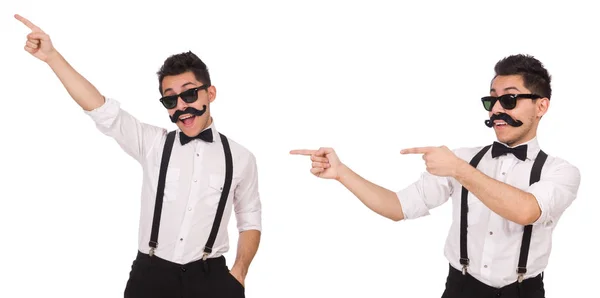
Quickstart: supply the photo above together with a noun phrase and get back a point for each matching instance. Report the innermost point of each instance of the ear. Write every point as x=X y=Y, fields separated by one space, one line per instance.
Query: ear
x=542 y=106
x=212 y=93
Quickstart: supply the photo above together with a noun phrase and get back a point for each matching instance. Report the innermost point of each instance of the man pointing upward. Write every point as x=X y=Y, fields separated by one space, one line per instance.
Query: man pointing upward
x=194 y=179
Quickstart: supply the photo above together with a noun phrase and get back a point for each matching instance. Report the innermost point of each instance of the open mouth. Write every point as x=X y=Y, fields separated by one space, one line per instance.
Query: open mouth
x=499 y=123
x=187 y=119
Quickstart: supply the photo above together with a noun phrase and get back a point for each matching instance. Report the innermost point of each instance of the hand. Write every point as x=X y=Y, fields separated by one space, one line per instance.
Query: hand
x=38 y=43
x=238 y=275
x=440 y=161
x=325 y=163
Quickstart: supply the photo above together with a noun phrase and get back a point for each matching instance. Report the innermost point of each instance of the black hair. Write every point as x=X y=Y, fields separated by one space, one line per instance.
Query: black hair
x=181 y=63
x=535 y=76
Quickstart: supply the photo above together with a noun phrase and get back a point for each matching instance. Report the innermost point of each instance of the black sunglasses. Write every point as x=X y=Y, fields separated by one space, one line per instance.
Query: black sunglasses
x=189 y=96
x=508 y=101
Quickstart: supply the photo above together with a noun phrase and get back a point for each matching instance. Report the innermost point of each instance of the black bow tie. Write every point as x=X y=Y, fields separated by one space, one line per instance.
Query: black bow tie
x=519 y=152
x=206 y=136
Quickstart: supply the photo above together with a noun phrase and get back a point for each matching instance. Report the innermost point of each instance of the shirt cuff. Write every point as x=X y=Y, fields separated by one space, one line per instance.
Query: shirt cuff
x=249 y=221
x=412 y=205
x=542 y=195
x=105 y=115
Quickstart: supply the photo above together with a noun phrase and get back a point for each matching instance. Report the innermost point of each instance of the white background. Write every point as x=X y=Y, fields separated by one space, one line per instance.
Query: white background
x=365 y=77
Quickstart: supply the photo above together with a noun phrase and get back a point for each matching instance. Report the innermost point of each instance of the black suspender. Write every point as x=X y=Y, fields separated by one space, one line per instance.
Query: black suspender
x=223 y=200
x=536 y=172
x=160 y=191
x=161 y=187
x=464 y=209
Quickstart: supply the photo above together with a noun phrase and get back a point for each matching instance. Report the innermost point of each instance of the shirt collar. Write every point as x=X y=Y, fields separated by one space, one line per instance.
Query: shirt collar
x=215 y=133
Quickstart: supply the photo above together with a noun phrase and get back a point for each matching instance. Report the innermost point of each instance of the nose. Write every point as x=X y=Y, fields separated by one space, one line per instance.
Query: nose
x=497 y=108
x=181 y=105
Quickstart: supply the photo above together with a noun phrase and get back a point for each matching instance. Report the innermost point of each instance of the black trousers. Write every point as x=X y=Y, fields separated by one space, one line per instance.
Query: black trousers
x=466 y=286
x=153 y=277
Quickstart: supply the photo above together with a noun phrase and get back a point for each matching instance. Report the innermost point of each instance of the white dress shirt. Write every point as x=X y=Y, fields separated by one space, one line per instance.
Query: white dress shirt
x=493 y=242
x=194 y=180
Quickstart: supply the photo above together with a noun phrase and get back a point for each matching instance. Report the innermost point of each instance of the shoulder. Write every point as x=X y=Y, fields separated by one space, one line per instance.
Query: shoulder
x=241 y=154
x=557 y=166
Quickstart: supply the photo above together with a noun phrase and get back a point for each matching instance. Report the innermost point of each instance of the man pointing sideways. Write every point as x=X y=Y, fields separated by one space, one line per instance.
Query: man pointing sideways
x=507 y=197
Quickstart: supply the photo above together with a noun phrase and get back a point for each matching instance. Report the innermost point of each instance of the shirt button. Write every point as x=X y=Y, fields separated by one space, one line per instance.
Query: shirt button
x=189 y=209
x=183 y=269
x=195 y=180
x=197 y=154
x=180 y=239
x=491 y=233
x=503 y=173
x=484 y=266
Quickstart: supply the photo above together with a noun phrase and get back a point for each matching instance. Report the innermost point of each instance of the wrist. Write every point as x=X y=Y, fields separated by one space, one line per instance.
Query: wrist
x=53 y=58
x=460 y=170
x=236 y=269
x=342 y=172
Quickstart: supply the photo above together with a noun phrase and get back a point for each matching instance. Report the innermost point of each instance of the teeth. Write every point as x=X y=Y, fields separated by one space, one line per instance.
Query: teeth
x=185 y=117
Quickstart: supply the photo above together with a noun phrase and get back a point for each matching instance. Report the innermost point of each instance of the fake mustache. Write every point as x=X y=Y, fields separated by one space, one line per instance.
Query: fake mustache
x=188 y=110
x=503 y=116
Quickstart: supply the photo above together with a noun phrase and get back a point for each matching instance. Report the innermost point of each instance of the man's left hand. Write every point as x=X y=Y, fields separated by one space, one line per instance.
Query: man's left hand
x=440 y=161
x=238 y=275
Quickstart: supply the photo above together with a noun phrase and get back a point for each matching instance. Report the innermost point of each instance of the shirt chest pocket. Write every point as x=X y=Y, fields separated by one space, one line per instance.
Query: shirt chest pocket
x=171 y=182
x=214 y=189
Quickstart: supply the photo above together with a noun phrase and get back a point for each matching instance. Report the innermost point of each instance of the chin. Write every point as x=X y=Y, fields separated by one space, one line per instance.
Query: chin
x=503 y=138
x=189 y=131
x=510 y=141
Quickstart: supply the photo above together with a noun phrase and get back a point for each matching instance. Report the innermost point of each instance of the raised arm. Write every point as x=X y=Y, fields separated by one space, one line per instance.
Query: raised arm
x=40 y=46
x=134 y=137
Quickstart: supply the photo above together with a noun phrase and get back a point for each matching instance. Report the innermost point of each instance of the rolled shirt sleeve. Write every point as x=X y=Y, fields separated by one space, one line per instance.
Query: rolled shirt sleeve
x=423 y=195
x=247 y=199
x=556 y=190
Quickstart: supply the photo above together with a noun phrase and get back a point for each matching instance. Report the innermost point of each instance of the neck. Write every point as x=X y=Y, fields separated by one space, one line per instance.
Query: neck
x=208 y=122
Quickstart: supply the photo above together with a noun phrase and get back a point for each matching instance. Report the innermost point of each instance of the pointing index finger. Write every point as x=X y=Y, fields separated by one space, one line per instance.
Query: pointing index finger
x=27 y=23
x=303 y=152
x=416 y=150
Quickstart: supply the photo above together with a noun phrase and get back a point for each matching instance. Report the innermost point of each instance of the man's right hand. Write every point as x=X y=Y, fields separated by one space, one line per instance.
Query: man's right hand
x=325 y=163
x=38 y=42
x=39 y=45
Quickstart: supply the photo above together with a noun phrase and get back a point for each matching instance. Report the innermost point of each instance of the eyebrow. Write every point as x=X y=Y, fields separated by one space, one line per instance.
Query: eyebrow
x=171 y=89
x=506 y=89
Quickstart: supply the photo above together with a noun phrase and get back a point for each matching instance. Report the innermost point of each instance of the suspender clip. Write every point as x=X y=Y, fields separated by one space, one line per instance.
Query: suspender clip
x=521 y=273
x=465 y=264
x=151 y=251
x=204 y=262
